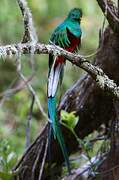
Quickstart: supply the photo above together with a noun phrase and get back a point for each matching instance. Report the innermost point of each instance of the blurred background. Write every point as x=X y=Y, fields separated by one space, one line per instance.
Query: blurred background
x=14 y=109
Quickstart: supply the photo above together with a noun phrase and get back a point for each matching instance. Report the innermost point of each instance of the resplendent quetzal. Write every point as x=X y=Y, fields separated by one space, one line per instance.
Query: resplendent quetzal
x=68 y=36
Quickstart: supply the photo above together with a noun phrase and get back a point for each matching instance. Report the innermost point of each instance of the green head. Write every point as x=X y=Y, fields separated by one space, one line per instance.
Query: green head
x=75 y=14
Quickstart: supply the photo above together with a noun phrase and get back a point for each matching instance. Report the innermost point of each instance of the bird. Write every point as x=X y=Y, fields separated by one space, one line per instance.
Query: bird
x=67 y=35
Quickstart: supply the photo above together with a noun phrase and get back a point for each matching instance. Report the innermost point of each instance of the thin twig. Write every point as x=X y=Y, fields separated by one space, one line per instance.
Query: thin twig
x=30 y=33
x=29 y=122
x=29 y=86
x=32 y=91
x=12 y=91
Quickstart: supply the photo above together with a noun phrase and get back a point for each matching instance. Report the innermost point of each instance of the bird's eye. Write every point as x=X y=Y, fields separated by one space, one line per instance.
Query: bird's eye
x=76 y=19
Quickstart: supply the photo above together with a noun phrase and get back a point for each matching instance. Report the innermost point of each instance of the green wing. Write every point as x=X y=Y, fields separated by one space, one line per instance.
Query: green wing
x=59 y=36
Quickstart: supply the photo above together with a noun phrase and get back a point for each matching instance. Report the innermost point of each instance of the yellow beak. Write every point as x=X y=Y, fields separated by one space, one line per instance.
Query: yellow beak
x=83 y=20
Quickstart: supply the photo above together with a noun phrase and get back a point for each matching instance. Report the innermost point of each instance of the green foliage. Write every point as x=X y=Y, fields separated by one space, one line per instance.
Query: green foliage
x=8 y=159
x=69 y=119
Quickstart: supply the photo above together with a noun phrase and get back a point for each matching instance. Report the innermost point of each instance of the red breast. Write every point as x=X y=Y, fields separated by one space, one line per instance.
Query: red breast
x=74 y=42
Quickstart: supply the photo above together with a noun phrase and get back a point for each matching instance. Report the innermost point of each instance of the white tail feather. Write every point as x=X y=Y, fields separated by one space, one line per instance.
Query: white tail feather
x=50 y=79
x=53 y=79
x=56 y=79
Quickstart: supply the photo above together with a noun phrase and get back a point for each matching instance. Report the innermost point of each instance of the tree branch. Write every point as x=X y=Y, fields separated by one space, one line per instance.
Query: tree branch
x=96 y=73
x=111 y=13
x=30 y=33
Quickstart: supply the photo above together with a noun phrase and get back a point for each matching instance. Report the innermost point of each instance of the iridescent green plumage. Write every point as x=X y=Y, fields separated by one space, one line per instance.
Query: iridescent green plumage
x=72 y=23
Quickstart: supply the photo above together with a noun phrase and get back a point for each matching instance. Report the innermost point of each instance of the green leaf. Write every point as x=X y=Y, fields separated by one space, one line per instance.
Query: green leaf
x=69 y=119
x=5 y=176
x=11 y=160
